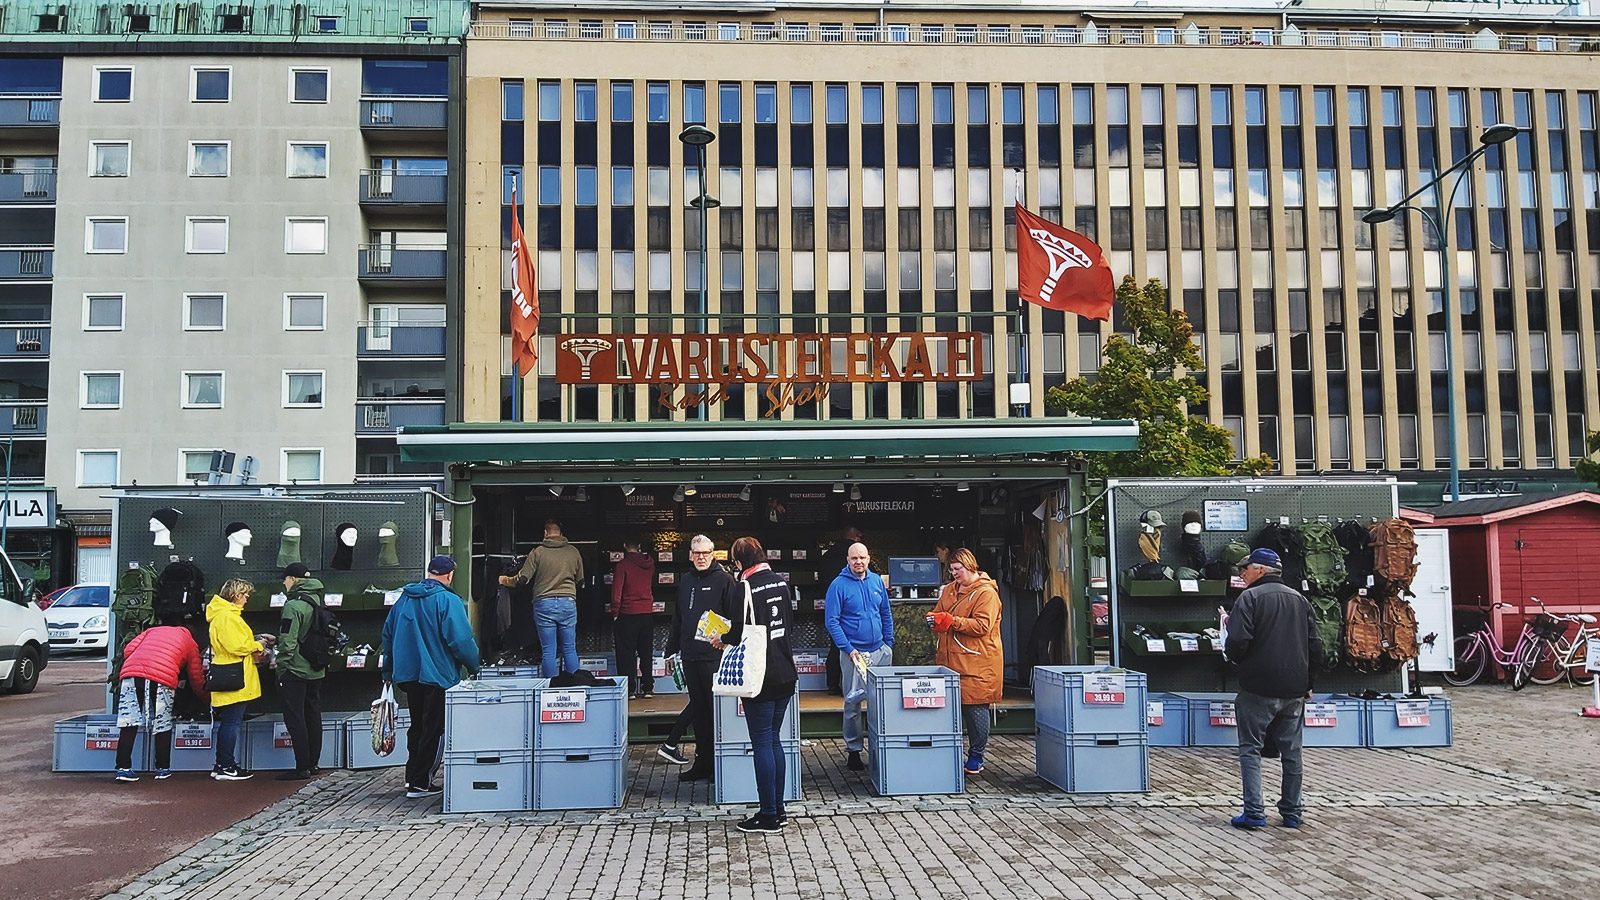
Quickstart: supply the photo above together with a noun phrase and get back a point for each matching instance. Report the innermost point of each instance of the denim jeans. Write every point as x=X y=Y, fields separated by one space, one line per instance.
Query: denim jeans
x=977 y=717
x=557 y=621
x=855 y=721
x=225 y=736
x=1284 y=719
x=765 y=720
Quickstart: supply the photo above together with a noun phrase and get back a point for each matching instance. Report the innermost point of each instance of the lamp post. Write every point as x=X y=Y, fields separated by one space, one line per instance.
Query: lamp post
x=1439 y=218
x=698 y=136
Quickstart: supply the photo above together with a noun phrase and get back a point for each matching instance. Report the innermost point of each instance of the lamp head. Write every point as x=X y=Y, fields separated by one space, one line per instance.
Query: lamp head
x=1379 y=216
x=704 y=200
x=697 y=135
x=1498 y=133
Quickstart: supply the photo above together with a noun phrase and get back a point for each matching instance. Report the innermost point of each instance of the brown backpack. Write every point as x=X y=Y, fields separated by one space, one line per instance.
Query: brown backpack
x=1363 y=634
x=1394 y=554
x=1399 y=630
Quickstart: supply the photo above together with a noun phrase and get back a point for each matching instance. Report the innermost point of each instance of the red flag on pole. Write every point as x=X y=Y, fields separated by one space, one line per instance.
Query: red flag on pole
x=524 y=303
x=1061 y=269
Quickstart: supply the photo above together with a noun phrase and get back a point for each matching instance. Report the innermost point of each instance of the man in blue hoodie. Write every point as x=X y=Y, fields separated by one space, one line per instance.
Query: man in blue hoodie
x=427 y=641
x=859 y=622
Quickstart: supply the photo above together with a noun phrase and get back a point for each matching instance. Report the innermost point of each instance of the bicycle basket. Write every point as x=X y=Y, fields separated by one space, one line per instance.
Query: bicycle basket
x=1548 y=626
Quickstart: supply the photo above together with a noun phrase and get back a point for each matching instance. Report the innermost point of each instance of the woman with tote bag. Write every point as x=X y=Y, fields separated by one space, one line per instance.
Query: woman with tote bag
x=768 y=605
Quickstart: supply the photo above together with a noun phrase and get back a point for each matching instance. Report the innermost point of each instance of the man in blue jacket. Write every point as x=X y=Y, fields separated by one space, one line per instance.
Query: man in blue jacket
x=859 y=622
x=427 y=641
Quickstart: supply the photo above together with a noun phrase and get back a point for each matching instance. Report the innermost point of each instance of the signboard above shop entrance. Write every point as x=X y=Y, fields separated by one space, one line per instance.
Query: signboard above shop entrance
x=706 y=359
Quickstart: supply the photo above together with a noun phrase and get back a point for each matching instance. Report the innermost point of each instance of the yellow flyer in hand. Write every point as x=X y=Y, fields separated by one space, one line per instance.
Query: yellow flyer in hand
x=711 y=625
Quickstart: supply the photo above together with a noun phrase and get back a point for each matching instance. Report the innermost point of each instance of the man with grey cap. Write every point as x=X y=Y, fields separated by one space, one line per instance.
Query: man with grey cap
x=1272 y=636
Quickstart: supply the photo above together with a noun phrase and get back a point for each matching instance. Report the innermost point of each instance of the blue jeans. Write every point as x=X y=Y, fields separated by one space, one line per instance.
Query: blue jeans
x=1284 y=719
x=225 y=735
x=765 y=720
x=557 y=621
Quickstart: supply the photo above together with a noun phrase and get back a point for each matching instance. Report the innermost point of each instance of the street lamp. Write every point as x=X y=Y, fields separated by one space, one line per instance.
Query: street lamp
x=698 y=136
x=1439 y=218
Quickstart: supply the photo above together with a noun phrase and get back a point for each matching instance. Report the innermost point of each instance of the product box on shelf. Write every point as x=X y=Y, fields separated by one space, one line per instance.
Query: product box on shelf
x=89 y=744
x=916 y=764
x=266 y=746
x=579 y=778
x=490 y=714
x=488 y=781
x=1408 y=722
x=1166 y=719
x=913 y=700
x=1089 y=699
x=1093 y=763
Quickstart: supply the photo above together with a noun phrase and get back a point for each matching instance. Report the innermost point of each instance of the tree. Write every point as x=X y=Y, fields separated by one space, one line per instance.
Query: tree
x=1139 y=380
x=1589 y=467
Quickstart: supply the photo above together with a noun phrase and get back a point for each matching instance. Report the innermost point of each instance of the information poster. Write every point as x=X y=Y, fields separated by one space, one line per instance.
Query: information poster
x=717 y=507
x=645 y=506
x=1226 y=515
x=797 y=507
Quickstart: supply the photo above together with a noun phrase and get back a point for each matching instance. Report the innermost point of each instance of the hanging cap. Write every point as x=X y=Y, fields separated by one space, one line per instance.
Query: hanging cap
x=296 y=570
x=441 y=565
x=1153 y=519
x=1262 y=556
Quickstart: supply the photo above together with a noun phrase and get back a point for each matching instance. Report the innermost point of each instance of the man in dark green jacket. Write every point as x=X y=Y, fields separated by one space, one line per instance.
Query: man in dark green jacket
x=300 y=683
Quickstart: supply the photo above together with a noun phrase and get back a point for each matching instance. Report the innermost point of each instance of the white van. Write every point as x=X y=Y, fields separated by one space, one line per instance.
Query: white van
x=24 y=636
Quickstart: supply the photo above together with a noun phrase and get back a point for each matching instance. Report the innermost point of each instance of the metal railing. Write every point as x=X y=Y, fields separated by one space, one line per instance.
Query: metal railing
x=426 y=113
x=23 y=417
x=30 y=109
x=27 y=261
x=399 y=261
x=25 y=340
x=400 y=340
x=388 y=415
x=27 y=185
x=381 y=186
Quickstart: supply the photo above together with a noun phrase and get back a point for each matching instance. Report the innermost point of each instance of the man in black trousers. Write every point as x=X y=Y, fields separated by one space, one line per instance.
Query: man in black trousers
x=705 y=587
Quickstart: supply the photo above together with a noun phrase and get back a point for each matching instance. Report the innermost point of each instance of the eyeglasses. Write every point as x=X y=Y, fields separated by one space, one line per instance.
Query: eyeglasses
x=700 y=552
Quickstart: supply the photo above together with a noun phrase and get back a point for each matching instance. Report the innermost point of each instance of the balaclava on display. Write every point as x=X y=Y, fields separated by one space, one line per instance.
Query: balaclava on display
x=1194 y=553
x=387 y=556
x=233 y=529
x=289 y=545
x=1150 y=525
x=343 y=554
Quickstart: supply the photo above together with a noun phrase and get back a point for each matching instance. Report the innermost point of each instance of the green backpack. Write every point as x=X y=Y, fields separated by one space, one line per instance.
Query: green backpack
x=1325 y=570
x=134 y=603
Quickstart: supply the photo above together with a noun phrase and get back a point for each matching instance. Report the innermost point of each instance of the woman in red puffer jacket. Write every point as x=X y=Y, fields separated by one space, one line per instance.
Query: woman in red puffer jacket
x=151 y=665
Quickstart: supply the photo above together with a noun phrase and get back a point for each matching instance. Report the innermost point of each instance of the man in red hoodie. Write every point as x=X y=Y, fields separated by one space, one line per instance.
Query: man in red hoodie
x=632 y=607
x=151 y=664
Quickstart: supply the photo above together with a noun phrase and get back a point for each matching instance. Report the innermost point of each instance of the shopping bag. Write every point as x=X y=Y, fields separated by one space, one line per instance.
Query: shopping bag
x=385 y=721
x=744 y=665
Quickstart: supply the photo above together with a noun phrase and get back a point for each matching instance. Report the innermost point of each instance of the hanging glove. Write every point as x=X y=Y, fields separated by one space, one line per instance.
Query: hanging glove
x=941 y=621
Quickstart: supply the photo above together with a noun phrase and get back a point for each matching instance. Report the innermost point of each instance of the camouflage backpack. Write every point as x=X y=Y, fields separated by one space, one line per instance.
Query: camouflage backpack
x=1325 y=570
x=1399 y=630
x=1394 y=554
x=134 y=603
x=1331 y=630
x=1363 y=634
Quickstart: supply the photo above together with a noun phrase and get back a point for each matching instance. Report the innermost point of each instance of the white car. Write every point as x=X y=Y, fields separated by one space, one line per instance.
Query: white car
x=80 y=618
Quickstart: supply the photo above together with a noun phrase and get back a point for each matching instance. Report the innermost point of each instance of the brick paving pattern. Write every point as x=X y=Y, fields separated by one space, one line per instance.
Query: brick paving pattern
x=1475 y=820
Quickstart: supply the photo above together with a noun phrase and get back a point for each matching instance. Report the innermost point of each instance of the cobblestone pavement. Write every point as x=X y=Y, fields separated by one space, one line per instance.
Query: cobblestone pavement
x=1506 y=813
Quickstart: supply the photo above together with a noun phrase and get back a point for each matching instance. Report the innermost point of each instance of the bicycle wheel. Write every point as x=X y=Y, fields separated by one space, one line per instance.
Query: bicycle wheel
x=1550 y=670
x=1470 y=661
x=1524 y=665
x=1579 y=672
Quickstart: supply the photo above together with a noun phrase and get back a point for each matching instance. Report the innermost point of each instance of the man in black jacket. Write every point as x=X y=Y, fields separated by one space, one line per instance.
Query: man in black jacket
x=707 y=586
x=1272 y=636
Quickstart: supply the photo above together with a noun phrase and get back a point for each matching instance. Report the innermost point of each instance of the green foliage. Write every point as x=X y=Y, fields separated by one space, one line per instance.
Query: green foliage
x=1139 y=381
x=1589 y=467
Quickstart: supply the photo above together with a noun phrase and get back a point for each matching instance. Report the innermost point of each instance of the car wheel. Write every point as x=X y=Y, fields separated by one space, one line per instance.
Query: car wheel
x=25 y=676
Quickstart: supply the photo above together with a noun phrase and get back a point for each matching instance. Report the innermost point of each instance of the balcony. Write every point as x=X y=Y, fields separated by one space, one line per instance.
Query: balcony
x=22 y=418
x=30 y=111
x=400 y=190
x=405 y=117
x=25 y=341
x=393 y=341
x=392 y=264
x=28 y=186
x=27 y=262
x=388 y=416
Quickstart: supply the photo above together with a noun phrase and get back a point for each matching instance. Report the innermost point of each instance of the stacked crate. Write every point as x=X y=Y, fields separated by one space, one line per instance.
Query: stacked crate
x=1212 y=720
x=1090 y=729
x=914 y=730
x=264 y=744
x=89 y=744
x=488 y=744
x=735 y=756
x=580 y=737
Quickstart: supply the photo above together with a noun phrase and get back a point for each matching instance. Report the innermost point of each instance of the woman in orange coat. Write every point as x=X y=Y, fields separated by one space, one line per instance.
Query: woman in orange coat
x=967 y=618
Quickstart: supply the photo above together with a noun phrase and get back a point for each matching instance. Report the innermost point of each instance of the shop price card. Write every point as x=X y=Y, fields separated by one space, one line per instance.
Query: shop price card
x=922 y=692
x=563 y=706
x=1107 y=688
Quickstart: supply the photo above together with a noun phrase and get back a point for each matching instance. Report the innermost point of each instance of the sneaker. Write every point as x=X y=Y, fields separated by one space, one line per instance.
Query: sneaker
x=416 y=792
x=163 y=774
x=126 y=775
x=295 y=775
x=672 y=754
x=232 y=773
x=759 y=824
x=648 y=694
x=973 y=767
x=1291 y=821
x=1247 y=821
x=855 y=764
x=783 y=820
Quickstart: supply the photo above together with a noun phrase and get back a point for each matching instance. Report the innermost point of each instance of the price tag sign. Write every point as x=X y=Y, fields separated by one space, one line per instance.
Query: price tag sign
x=1236 y=581
x=599 y=665
x=922 y=693
x=1154 y=713
x=658 y=606
x=1222 y=714
x=658 y=666
x=1322 y=715
x=740 y=706
x=614 y=555
x=1411 y=713
x=810 y=663
x=280 y=737
x=333 y=600
x=1216 y=643
x=356 y=661
x=191 y=736
x=563 y=706
x=279 y=600
x=390 y=598
x=100 y=737
x=667 y=578
x=820 y=603
x=1592 y=658
x=1155 y=645
x=1108 y=688
x=1189 y=645
x=1189 y=585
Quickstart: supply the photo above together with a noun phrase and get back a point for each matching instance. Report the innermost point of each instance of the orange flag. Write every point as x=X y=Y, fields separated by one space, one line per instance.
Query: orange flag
x=1061 y=269
x=524 y=302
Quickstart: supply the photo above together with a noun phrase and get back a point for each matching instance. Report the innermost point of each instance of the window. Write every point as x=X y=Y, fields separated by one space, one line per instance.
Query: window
x=305 y=235
x=100 y=390
x=108 y=234
x=113 y=85
x=102 y=312
x=308 y=160
x=210 y=85
x=209 y=159
x=417 y=24
x=194 y=465
x=305 y=312
x=109 y=159
x=97 y=468
x=302 y=466
x=205 y=234
x=308 y=85
x=327 y=24
x=511 y=101
x=202 y=390
x=204 y=312
x=302 y=389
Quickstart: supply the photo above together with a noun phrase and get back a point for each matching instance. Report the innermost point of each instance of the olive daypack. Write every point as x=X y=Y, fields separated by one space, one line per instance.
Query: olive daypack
x=1363 y=634
x=324 y=637
x=1325 y=571
x=180 y=591
x=1399 y=630
x=1394 y=554
x=135 y=596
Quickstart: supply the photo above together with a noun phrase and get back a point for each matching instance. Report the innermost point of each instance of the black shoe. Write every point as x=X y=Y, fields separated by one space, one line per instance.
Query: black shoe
x=855 y=764
x=295 y=775
x=692 y=774
x=759 y=824
x=672 y=754
x=419 y=793
x=647 y=695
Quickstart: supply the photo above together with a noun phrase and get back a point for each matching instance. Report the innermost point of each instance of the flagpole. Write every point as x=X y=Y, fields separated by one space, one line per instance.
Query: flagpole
x=1021 y=410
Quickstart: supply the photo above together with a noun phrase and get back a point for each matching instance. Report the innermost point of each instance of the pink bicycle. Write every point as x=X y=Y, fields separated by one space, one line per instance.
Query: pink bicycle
x=1539 y=635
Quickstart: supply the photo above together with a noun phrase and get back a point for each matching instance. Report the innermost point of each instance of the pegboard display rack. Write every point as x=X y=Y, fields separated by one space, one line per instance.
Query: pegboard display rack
x=1157 y=607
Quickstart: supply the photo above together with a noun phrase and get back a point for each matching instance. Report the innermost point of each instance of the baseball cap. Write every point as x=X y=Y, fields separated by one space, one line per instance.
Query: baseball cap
x=1262 y=556
x=441 y=565
x=296 y=570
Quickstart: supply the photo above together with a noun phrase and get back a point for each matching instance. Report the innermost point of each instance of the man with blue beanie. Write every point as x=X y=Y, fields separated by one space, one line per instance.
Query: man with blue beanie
x=859 y=622
x=427 y=641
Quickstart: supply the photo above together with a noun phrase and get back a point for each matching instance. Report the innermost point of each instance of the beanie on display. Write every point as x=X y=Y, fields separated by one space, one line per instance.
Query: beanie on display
x=167 y=516
x=387 y=556
x=289 y=544
x=234 y=527
x=1192 y=517
x=343 y=554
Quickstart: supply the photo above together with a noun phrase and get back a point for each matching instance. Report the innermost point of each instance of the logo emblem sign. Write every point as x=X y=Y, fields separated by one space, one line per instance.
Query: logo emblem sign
x=1063 y=255
x=585 y=348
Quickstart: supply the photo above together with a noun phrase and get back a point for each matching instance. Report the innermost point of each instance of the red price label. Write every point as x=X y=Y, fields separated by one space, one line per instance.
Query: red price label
x=924 y=702
x=99 y=744
x=100 y=737
x=280 y=738
x=561 y=715
x=564 y=707
x=1322 y=715
x=1411 y=713
x=1223 y=715
x=1104 y=697
x=922 y=693
x=1154 y=713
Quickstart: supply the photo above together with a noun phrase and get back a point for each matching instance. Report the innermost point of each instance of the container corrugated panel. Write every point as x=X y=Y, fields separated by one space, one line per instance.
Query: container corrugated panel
x=89 y=744
x=490 y=714
x=1061 y=701
x=1166 y=720
x=578 y=778
x=358 y=742
x=891 y=712
x=603 y=722
x=1428 y=726
x=916 y=764
x=488 y=781
x=732 y=728
x=1093 y=763
x=736 y=772
x=1212 y=720
x=264 y=744
x=1335 y=720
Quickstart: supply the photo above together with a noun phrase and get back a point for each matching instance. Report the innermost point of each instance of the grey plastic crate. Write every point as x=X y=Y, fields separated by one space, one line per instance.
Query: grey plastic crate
x=604 y=722
x=1061 y=702
x=1384 y=728
x=736 y=772
x=1093 y=763
x=358 y=742
x=89 y=744
x=888 y=712
x=815 y=660
x=732 y=728
x=1203 y=708
x=1347 y=727
x=264 y=743
x=1172 y=729
x=916 y=764
x=194 y=747
x=490 y=714
x=578 y=778
x=510 y=672
x=488 y=781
